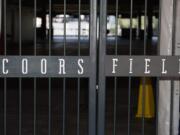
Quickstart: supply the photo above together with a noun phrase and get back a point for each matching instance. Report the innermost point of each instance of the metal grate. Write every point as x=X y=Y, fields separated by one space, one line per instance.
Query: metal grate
x=87 y=78
x=112 y=118
x=78 y=90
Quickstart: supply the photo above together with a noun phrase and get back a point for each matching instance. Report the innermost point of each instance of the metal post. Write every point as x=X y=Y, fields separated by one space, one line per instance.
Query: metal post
x=165 y=49
x=102 y=47
x=92 y=83
x=0 y=17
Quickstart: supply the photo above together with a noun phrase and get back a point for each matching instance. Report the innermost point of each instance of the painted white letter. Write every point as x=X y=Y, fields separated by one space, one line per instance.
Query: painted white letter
x=4 y=70
x=62 y=66
x=24 y=66
x=43 y=66
x=114 y=65
x=130 y=66
x=81 y=69
x=163 y=66
x=147 y=65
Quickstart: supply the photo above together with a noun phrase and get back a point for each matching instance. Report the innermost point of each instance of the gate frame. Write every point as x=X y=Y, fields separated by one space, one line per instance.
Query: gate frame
x=93 y=56
x=101 y=77
x=170 y=46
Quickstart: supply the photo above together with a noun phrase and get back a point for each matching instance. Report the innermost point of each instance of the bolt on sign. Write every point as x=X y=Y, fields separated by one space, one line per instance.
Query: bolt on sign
x=43 y=66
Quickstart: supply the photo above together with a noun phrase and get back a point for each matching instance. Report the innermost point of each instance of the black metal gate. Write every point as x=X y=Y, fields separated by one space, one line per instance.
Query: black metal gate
x=61 y=67
x=116 y=66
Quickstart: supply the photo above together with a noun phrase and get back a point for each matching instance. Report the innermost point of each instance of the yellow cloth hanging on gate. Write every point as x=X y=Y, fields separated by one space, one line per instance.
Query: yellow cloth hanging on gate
x=149 y=107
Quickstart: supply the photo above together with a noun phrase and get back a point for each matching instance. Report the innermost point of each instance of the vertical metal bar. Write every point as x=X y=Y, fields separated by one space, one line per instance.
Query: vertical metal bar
x=78 y=106
x=64 y=27
x=35 y=24
x=130 y=78
x=102 y=47
x=176 y=84
x=171 y=108
x=131 y=23
x=145 y=27
x=144 y=79
x=35 y=40
x=5 y=79
x=115 y=105
x=116 y=29
x=20 y=27
x=35 y=89
x=115 y=79
x=49 y=81
x=93 y=54
x=64 y=106
x=172 y=81
x=50 y=26
x=5 y=28
x=157 y=104
x=79 y=49
x=157 y=81
x=5 y=106
x=49 y=120
x=159 y=27
x=64 y=80
x=20 y=79
x=79 y=29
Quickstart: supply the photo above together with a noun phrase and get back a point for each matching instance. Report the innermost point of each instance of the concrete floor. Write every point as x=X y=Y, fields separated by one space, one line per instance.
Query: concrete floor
x=57 y=46
x=71 y=95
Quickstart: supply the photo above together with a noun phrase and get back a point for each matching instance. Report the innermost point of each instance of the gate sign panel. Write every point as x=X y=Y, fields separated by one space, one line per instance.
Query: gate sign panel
x=44 y=66
x=155 y=66
x=71 y=66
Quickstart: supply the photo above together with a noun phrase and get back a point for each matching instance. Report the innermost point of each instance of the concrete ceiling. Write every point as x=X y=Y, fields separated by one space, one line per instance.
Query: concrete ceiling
x=72 y=5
